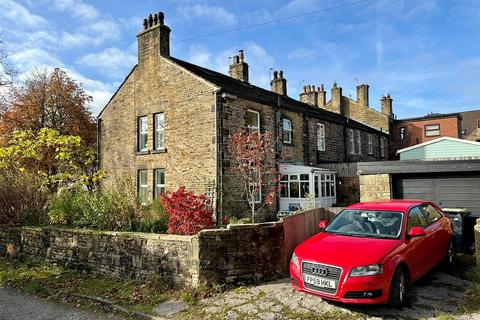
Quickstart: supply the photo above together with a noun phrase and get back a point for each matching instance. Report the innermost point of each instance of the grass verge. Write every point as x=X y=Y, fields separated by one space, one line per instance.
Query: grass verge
x=58 y=284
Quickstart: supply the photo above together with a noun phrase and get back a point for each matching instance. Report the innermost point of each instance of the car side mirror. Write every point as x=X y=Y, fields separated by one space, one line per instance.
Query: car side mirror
x=417 y=232
x=322 y=224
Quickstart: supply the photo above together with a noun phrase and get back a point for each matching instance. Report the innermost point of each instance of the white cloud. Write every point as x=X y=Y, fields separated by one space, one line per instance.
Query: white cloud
x=112 y=61
x=77 y=8
x=20 y=16
x=211 y=14
x=91 y=34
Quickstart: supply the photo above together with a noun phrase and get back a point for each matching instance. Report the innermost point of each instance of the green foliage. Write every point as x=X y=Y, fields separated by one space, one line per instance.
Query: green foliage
x=235 y=220
x=153 y=218
x=58 y=160
x=113 y=208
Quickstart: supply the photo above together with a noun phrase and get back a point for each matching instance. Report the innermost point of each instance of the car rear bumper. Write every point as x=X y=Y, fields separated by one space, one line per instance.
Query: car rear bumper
x=354 y=290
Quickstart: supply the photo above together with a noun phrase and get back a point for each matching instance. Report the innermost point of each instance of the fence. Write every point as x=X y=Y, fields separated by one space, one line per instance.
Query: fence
x=300 y=227
x=342 y=169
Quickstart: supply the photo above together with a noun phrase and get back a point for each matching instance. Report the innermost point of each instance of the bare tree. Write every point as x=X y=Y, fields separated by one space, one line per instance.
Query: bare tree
x=253 y=154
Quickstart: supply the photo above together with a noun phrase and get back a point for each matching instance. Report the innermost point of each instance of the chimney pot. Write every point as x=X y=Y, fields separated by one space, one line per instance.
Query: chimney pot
x=150 y=21
x=241 y=56
x=155 y=19
x=281 y=74
x=275 y=75
x=145 y=24
x=161 y=18
x=322 y=88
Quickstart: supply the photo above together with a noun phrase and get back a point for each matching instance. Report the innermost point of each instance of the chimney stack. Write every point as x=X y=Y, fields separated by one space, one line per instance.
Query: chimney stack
x=309 y=95
x=239 y=68
x=279 y=83
x=154 y=39
x=336 y=98
x=362 y=95
x=322 y=96
x=387 y=106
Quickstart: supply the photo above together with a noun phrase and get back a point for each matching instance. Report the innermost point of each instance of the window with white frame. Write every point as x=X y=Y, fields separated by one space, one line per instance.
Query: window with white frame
x=158 y=182
x=432 y=130
x=359 y=142
x=327 y=183
x=382 y=147
x=142 y=135
x=159 y=124
x=253 y=120
x=287 y=131
x=294 y=186
x=351 y=139
x=370 y=144
x=256 y=189
x=142 y=185
x=320 y=136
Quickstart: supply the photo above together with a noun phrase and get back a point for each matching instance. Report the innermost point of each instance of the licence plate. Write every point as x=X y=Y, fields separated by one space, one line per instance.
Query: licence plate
x=320 y=282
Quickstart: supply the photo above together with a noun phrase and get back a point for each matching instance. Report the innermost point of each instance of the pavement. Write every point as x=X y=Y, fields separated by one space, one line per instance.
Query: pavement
x=436 y=296
x=15 y=305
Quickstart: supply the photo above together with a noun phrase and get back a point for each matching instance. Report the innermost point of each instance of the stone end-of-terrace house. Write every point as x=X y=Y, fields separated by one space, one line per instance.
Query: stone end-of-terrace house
x=168 y=123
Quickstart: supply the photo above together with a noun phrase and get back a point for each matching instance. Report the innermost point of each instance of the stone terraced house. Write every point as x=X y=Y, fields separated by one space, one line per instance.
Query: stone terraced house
x=168 y=123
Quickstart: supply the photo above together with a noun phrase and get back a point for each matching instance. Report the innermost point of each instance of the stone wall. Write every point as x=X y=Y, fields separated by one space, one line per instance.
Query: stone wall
x=375 y=187
x=477 y=241
x=116 y=254
x=243 y=253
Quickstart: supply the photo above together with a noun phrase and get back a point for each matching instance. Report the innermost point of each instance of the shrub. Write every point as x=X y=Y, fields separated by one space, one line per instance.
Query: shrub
x=23 y=200
x=114 y=208
x=152 y=218
x=189 y=213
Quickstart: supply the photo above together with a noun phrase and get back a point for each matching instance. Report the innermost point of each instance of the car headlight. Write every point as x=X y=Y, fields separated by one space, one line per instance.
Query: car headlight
x=294 y=260
x=369 y=270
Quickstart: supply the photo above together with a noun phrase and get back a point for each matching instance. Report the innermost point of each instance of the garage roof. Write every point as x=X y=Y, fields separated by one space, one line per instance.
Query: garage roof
x=443 y=148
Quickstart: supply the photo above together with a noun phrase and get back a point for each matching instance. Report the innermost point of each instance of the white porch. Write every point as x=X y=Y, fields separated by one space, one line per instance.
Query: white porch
x=305 y=187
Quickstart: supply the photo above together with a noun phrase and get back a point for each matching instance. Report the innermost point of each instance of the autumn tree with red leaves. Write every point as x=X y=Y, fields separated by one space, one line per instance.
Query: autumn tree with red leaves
x=254 y=162
x=49 y=99
x=188 y=213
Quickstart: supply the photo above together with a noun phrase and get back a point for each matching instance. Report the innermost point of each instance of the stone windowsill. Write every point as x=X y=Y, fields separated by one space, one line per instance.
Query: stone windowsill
x=159 y=151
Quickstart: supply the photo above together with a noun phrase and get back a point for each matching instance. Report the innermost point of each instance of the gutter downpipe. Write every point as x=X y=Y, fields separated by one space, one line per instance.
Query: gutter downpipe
x=277 y=146
x=345 y=143
x=218 y=157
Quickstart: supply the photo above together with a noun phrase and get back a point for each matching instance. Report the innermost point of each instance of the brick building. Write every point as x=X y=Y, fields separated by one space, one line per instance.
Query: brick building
x=470 y=125
x=412 y=131
x=168 y=123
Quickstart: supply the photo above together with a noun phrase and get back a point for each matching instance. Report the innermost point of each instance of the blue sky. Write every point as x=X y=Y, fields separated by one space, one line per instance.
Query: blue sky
x=425 y=53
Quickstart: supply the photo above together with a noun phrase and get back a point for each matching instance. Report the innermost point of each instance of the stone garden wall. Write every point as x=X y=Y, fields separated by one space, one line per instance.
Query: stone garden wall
x=115 y=254
x=237 y=254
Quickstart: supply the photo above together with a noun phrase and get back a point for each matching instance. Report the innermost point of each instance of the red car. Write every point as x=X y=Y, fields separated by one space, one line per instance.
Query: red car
x=371 y=252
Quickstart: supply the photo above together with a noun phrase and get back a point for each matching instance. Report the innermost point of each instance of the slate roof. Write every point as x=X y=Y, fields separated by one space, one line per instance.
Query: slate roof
x=250 y=92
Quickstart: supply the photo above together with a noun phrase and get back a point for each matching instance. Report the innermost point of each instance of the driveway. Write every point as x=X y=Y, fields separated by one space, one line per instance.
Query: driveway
x=15 y=305
x=437 y=294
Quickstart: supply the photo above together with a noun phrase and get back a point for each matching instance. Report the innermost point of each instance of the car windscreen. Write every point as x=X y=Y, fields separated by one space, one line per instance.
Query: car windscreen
x=367 y=223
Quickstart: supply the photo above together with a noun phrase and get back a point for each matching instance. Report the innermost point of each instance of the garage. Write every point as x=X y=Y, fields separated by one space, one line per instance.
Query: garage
x=459 y=190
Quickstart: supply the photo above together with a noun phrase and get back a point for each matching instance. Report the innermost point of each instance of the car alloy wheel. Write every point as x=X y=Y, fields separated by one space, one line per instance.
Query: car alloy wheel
x=450 y=253
x=398 y=291
x=401 y=288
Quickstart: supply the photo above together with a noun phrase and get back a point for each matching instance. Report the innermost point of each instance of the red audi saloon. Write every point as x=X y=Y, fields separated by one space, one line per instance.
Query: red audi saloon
x=371 y=252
